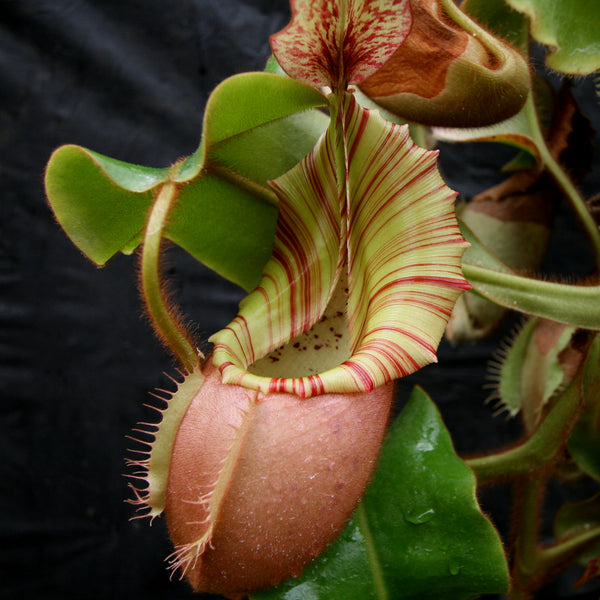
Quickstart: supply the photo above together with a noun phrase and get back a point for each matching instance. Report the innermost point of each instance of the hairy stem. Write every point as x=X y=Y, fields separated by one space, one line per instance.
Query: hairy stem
x=570 y=304
x=563 y=553
x=564 y=182
x=526 y=519
x=533 y=564
x=163 y=318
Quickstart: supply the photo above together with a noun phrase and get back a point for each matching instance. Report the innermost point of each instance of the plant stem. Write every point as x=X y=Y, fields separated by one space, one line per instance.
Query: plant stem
x=525 y=570
x=539 y=449
x=537 y=297
x=165 y=323
x=552 y=557
x=562 y=179
x=532 y=563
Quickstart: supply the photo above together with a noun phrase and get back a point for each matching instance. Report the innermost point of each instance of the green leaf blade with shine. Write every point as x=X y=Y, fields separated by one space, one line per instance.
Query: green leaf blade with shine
x=418 y=532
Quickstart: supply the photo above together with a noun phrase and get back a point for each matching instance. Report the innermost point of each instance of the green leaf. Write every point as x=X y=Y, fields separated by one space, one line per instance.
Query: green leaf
x=243 y=103
x=257 y=126
x=570 y=28
x=575 y=305
x=100 y=202
x=418 y=532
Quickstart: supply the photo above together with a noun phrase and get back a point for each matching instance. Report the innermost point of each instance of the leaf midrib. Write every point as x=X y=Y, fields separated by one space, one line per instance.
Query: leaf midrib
x=371 y=551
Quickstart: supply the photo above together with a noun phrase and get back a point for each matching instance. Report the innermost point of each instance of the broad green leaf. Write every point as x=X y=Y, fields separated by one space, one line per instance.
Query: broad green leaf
x=248 y=101
x=570 y=28
x=418 y=532
x=584 y=443
x=576 y=305
x=257 y=126
x=100 y=202
x=340 y=43
x=390 y=225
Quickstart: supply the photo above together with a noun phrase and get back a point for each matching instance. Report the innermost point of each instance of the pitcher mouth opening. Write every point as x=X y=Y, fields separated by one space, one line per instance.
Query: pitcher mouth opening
x=301 y=365
x=325 y=346
x=364 y=272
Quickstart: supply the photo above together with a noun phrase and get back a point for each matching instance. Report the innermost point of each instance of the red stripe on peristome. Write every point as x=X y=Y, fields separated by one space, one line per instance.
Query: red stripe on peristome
x=360 y=375
x=299 y=388
x=402 y=362
x=225 y=365
x=244 y=347
x=394 y=352
x=274 y=385
x=415 y=338
x=316 y=385
x=447 y=282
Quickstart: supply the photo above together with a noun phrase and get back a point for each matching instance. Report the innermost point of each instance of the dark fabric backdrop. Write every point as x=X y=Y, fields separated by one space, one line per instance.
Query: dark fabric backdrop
x=129 y=79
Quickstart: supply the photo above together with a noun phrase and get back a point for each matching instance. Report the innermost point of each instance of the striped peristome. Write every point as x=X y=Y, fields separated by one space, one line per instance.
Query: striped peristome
x=373 y=262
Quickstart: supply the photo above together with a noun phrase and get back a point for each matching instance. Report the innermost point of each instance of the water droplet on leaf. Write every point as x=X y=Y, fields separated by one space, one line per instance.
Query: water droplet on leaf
x=419 y=517
x=455 y=568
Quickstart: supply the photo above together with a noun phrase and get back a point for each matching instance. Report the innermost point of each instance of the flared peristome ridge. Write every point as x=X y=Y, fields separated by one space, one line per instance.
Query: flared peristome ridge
x=386 y=239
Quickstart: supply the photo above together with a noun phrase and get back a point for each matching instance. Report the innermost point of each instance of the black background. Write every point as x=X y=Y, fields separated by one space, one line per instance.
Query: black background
x=129 y=79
